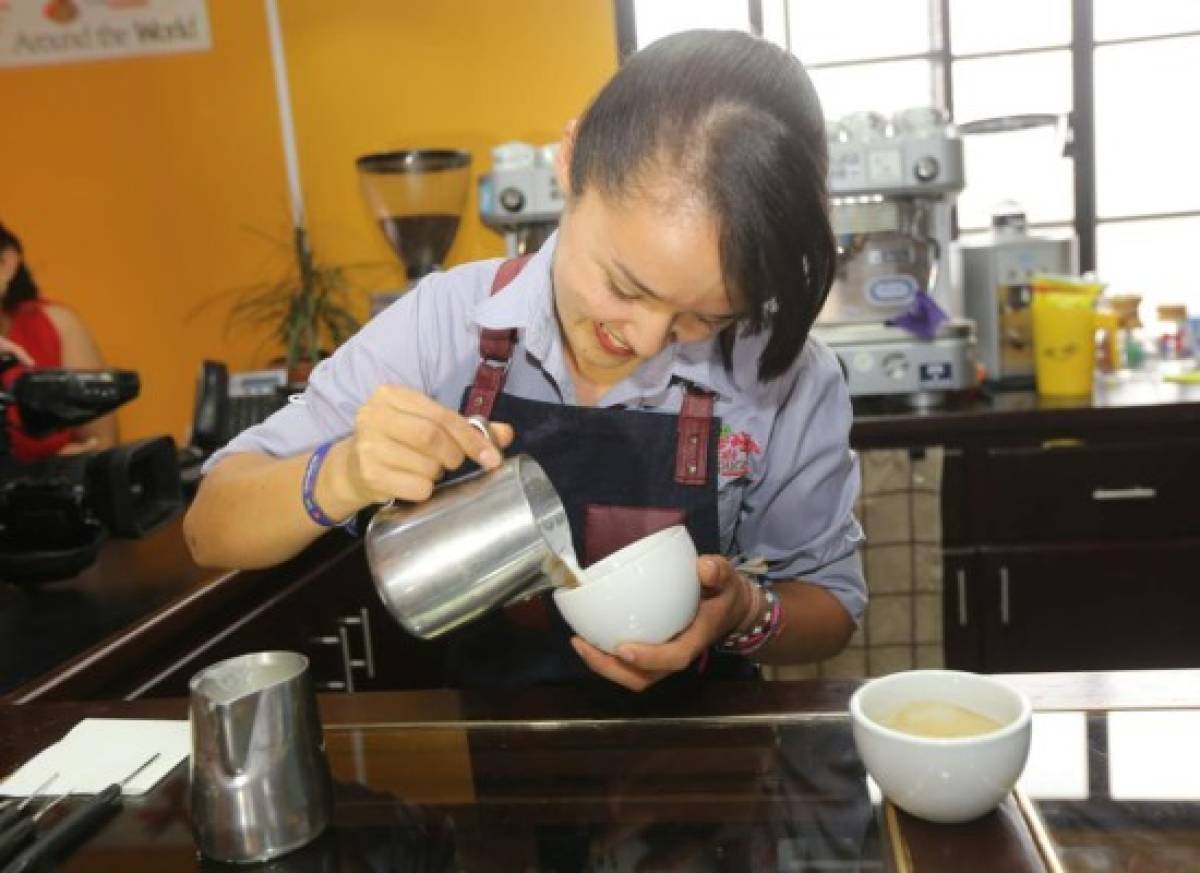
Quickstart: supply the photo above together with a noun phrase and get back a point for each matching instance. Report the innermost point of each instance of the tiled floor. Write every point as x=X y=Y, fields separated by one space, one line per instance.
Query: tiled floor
x=900 y=510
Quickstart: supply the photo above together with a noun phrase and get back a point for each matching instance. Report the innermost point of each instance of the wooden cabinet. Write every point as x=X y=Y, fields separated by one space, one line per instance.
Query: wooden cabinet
x=1088 y=554
x=1055 y=493
x=1072 y=548
x=961 y=627
x=357 y=644
x=335 y=617
x=1089 y=607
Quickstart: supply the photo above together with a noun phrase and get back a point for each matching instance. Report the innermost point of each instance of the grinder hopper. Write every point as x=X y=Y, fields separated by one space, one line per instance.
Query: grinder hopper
x=417 y=196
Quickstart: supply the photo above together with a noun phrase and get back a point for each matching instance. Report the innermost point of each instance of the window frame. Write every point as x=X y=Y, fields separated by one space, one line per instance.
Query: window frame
x=941 y=57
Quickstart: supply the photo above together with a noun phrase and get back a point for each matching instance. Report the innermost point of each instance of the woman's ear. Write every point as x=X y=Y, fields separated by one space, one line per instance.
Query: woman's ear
x=562 y=160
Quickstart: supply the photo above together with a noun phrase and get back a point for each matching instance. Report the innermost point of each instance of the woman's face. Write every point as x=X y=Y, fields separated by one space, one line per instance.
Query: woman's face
x=633 y=275
x=10 y=261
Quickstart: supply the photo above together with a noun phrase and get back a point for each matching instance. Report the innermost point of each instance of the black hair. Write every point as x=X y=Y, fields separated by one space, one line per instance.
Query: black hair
x=736 y=119
x=22 y=287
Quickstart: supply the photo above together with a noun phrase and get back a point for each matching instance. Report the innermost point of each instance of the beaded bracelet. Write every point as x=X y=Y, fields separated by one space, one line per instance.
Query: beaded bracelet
x=308 y=489
x=761 y=633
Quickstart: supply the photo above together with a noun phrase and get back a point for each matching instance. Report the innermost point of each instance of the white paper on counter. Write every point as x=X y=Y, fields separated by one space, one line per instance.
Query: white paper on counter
x=100 y=751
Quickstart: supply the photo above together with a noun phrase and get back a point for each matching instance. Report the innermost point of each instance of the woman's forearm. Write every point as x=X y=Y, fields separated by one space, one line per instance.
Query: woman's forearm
x=249 y=513
x=815 y=626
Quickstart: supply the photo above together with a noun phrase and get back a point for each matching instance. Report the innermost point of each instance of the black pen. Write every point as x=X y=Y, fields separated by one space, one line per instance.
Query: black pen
x=60 y=839
x=13 y=810
x=17 y=834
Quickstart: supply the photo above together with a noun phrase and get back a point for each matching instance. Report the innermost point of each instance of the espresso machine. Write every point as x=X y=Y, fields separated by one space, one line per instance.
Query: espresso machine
x=520 y=197
x=893 y=183
x=417 y=196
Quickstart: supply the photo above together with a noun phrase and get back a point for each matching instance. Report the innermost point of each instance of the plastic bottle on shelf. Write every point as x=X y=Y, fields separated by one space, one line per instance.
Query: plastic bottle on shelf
x=1132 y=337
x=1171 y=336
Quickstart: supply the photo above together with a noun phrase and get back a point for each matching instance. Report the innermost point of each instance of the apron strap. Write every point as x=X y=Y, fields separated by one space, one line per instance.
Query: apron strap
x=495 y=350
x=691 y=448
x=495 y=354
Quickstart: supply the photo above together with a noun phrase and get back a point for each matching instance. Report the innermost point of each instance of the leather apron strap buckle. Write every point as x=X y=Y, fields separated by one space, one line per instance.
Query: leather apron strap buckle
x=695 y=428
x=495 y=351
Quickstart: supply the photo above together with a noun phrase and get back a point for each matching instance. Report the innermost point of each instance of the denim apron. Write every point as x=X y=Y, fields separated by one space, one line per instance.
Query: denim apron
x=621 y=476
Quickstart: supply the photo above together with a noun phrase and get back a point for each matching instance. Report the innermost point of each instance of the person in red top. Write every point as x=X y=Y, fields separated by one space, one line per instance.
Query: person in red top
x=44 y=334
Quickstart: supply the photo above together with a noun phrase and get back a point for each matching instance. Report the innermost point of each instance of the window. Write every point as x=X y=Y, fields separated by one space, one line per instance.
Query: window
x=1135 y=130
x=658 y=18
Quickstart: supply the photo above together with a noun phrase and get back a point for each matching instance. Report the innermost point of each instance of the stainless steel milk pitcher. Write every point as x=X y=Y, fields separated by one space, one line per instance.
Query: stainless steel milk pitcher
x=260 y=784
x=479 y=542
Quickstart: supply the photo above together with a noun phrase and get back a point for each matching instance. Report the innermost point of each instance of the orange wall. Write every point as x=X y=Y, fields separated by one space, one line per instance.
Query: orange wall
x=141 y=187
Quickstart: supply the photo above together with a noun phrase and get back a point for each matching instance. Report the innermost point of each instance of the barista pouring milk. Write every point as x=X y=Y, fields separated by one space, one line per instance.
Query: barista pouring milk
x=654 y=357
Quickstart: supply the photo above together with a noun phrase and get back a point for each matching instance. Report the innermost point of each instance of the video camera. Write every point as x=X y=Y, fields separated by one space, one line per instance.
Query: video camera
x=56 y=513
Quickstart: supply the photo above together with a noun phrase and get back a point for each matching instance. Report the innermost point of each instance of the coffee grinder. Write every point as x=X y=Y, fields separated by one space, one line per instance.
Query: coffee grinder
x=520 y=197
x=417 y=197
x=893 y=183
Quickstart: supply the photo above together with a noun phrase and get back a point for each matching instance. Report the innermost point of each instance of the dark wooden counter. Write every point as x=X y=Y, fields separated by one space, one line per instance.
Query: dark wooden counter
x=741 y=777
x=144 y=616
x=126 y=615
x=44 y=626
x=1128 y=401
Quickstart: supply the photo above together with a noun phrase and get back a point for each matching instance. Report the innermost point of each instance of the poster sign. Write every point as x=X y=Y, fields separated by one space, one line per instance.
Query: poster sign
x=36 y=32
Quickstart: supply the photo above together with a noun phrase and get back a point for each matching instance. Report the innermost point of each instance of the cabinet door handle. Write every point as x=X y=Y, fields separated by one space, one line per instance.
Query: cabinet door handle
x=1004 y=596
x=1135 y=493
x=961 y=576
x=325 y=641
x=347 y=661
x=368 y=641
x=363 y=622
x=332 y=685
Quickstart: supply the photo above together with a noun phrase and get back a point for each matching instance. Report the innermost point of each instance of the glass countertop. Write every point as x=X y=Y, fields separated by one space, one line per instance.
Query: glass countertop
x=1116 y=791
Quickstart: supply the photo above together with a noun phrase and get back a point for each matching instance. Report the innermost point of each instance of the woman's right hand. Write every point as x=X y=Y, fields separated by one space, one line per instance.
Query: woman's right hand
x=404 y=443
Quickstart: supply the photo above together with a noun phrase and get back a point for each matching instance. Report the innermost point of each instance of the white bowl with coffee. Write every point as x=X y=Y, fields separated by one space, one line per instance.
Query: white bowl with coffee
x=645 y=593
x=943 y=745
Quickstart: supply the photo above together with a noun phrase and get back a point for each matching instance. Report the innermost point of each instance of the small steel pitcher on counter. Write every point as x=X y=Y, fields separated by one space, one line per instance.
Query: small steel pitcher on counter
x=260 y=784
x=480 y=542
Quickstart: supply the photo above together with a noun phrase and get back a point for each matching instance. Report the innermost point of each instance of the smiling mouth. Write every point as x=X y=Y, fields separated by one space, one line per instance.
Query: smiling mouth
x=609 y=342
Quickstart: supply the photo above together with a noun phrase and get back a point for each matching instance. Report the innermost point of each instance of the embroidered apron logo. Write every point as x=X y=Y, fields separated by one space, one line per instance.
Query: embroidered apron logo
x=734 y=451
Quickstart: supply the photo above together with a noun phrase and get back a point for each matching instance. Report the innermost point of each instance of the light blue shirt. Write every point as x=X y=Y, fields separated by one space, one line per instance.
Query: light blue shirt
x=788 y=479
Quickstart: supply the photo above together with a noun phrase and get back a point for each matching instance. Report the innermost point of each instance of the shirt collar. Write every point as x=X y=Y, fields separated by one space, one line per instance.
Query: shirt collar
x=698 y=364
x=521 y=302
x=527 y=305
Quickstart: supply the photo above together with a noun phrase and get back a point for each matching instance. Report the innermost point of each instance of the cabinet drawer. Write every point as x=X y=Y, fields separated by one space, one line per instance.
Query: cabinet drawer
x=1132 y=606
x=1038 y=494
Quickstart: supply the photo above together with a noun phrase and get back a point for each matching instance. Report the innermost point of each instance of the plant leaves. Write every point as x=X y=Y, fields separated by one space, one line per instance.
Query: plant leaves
x=306 y=306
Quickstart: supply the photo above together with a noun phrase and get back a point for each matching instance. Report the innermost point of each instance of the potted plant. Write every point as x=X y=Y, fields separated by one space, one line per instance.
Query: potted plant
x=307 y=309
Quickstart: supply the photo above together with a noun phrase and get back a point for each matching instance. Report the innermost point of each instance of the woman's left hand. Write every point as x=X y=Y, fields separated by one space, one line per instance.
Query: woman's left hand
x=724 y=605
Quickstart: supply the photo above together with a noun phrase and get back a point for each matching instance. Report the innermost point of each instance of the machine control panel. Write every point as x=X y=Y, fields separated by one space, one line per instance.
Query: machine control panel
x=931 y=165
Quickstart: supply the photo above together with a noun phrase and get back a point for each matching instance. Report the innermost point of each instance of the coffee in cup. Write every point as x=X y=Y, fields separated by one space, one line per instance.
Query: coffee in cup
x=939 y=719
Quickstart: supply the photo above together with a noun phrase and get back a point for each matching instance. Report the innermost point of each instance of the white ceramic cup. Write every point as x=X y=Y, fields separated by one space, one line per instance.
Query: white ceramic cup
x=942 y=780
x=646 y=592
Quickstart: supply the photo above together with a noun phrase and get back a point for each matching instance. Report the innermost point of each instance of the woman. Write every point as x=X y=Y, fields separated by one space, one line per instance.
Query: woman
x=653 y=356
x=44 y=334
